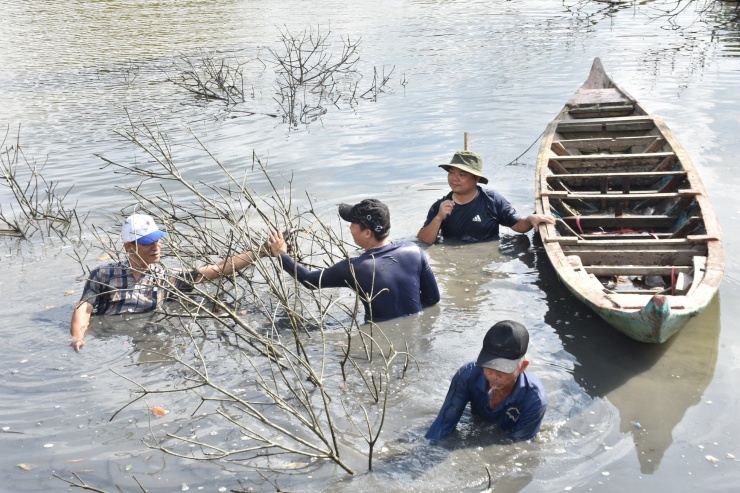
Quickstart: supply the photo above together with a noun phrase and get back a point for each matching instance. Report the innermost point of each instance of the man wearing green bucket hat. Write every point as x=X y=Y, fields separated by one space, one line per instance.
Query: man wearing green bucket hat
x=469 y=212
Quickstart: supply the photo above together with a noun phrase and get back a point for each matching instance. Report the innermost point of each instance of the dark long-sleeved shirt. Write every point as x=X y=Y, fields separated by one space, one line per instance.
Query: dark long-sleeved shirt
x=392 y=281
x=519 y=414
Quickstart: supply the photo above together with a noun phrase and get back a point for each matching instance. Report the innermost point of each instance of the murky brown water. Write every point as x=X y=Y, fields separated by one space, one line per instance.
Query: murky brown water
x=623 y=416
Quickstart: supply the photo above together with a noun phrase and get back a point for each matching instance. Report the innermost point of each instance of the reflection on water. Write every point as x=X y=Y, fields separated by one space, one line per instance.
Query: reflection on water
x=651 y=385
x=468 y=270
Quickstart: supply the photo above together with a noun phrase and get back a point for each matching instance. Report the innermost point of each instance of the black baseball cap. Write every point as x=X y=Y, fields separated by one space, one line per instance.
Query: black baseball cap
x=371 y=213
x=504 y=346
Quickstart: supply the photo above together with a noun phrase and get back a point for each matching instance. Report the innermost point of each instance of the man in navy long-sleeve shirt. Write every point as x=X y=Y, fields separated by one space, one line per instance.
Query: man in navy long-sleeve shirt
x=392 y=279
x=497 y=387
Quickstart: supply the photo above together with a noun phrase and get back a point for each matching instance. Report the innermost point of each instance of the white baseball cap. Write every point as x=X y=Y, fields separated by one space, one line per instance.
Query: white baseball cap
x=141 y=228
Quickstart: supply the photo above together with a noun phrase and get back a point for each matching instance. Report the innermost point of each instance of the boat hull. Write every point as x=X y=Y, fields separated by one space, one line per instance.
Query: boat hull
x=656 y=322
x=636 y=238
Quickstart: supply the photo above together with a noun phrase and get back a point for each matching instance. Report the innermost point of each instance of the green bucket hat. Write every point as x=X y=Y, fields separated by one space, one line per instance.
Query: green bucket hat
x=467 y=161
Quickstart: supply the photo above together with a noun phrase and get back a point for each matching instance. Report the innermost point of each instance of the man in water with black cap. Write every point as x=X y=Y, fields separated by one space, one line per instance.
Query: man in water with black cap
x=472 y=213
x=497 y=387
x=392 y=279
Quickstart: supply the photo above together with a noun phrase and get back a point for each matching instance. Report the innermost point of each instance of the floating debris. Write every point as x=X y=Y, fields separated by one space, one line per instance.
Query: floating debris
x=27 y=467
x=711 y=459
x=69 y=291
x=159 y=411
x=605 y=473
x=48 y=445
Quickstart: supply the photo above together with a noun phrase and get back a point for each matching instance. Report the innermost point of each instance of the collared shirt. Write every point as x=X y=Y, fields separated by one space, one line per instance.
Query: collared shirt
x=519 y=414
x=479 y=219
x=112 y=288
x=392 y=281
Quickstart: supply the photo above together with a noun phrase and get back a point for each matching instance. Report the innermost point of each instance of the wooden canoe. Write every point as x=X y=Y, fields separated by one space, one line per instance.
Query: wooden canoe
x=636 y=238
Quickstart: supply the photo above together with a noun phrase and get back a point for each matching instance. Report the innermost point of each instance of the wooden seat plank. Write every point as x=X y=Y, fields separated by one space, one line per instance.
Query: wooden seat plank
x=614 y=243
x=630 y=221
x=613 y=119
x=649 y=292
x=607 y=163
x=599 y=96
x=645 y=141
x=603 y=181
x=602 y=256
x=562 y=195
x=625 y=236
x=608 y=124
x=638 y=270
x=652 y=156
x=601 y=110
x=618 y=174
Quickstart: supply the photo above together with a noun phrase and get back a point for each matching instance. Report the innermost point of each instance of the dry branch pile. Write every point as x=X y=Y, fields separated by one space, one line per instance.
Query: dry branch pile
x=278 y=370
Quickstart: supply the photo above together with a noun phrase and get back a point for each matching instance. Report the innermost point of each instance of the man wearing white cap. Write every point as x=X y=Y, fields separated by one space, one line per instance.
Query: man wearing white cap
x=497 y=387
x=139 y=283
x=472 y=213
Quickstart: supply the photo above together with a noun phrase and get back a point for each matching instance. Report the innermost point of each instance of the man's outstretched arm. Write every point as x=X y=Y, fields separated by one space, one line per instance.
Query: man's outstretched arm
x=78 y=326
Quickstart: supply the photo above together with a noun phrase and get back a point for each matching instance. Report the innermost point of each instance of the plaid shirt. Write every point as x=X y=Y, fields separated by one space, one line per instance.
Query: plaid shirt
x=112 y=289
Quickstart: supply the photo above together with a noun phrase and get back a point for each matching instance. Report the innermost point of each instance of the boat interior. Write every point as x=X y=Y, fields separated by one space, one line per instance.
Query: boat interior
x=626 y=212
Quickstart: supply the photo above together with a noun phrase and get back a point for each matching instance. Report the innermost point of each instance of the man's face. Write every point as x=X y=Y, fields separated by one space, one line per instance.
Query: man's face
x=359 y=235
x=461 y=181
x=148 y=254
x=500 y=380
